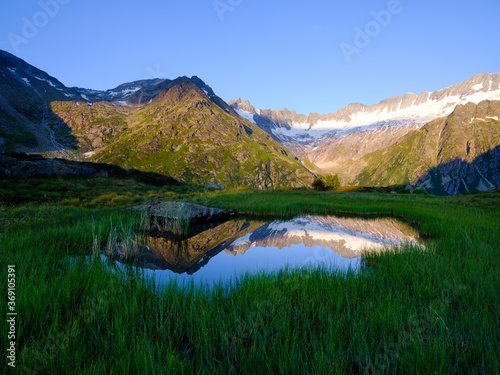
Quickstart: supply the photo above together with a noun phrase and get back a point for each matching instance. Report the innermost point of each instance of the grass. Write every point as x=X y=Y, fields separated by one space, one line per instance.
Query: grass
x=408 y=312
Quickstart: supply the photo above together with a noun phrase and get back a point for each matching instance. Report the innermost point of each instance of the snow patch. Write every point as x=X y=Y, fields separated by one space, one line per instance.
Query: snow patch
x=89 y=154
x=478 y=87
x=483 y=119
x=246 y=115
x=131 y=91
x=127 y=92
x=45 y=80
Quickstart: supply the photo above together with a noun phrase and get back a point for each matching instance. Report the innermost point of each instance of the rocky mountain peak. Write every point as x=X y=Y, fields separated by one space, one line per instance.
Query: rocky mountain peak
x=243 y=105
x=407 y=110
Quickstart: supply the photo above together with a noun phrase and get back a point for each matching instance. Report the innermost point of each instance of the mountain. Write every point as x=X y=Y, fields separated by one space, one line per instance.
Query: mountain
x=181 y=128
x=175 y=127
x=450 y=155
x=27 y=123
x=410 y=109
x=339 y=142
x=119 y=94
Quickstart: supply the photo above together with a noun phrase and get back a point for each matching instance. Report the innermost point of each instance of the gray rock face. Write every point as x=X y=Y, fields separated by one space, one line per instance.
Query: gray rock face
x=195 y=213
x=459 y=176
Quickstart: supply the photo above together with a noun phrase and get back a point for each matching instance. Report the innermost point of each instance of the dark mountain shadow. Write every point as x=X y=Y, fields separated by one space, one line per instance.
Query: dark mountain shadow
x=459 y=176
x=36 y=129
x=27 y=122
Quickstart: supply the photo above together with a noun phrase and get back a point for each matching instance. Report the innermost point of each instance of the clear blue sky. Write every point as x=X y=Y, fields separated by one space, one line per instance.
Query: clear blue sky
x=275 y=53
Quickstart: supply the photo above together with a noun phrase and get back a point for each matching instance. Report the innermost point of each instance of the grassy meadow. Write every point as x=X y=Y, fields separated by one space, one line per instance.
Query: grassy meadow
x=433 y=311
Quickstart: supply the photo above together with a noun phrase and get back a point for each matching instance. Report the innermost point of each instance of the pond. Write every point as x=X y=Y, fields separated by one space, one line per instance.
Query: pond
x=220 y=252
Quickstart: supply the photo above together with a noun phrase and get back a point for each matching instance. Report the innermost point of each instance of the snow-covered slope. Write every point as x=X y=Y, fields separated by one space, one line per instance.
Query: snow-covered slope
x=409 y=109
x=17 y=77
x=118 y=94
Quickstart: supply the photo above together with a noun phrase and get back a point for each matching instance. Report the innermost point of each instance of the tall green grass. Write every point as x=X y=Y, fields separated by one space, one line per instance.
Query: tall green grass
x=173 y=220
x=410 y=311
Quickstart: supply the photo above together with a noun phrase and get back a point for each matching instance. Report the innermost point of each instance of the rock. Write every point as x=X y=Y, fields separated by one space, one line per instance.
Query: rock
x=102 y=173
x=184 y=211
x=214 y=186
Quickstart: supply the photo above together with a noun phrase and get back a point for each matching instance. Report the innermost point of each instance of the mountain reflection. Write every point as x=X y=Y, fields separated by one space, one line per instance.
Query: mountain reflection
x=343 y=237
x=347 y=237
x=189 y=254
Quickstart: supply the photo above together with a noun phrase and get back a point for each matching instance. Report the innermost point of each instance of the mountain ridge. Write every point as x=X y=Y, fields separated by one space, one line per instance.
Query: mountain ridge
x=174 y=127
x=183 y=132
x=180 y=127
x=411 y=109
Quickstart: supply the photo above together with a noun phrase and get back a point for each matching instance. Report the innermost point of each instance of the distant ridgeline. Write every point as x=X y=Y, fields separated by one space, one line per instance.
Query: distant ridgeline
x=446 y=141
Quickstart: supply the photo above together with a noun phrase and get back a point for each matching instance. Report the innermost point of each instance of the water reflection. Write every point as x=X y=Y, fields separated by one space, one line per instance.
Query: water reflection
x=226 y=250
x=346 y=236
x=188 y=255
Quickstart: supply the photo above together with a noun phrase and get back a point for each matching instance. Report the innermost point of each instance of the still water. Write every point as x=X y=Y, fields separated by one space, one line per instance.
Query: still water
x=236 y=247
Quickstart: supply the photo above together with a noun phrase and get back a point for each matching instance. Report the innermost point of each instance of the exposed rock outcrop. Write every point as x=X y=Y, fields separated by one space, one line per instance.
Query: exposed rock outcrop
x=193 y=213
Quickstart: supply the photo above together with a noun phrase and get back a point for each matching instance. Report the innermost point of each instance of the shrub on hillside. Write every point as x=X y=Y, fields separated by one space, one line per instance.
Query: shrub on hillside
x=332 y=181
x=318 y=184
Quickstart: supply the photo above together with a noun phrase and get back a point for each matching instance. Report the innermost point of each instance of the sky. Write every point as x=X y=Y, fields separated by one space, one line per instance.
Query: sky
x=314 y=56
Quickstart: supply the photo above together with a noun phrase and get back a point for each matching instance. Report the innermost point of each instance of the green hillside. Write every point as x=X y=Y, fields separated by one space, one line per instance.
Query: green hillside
x=445 y=155
x=184 y=134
